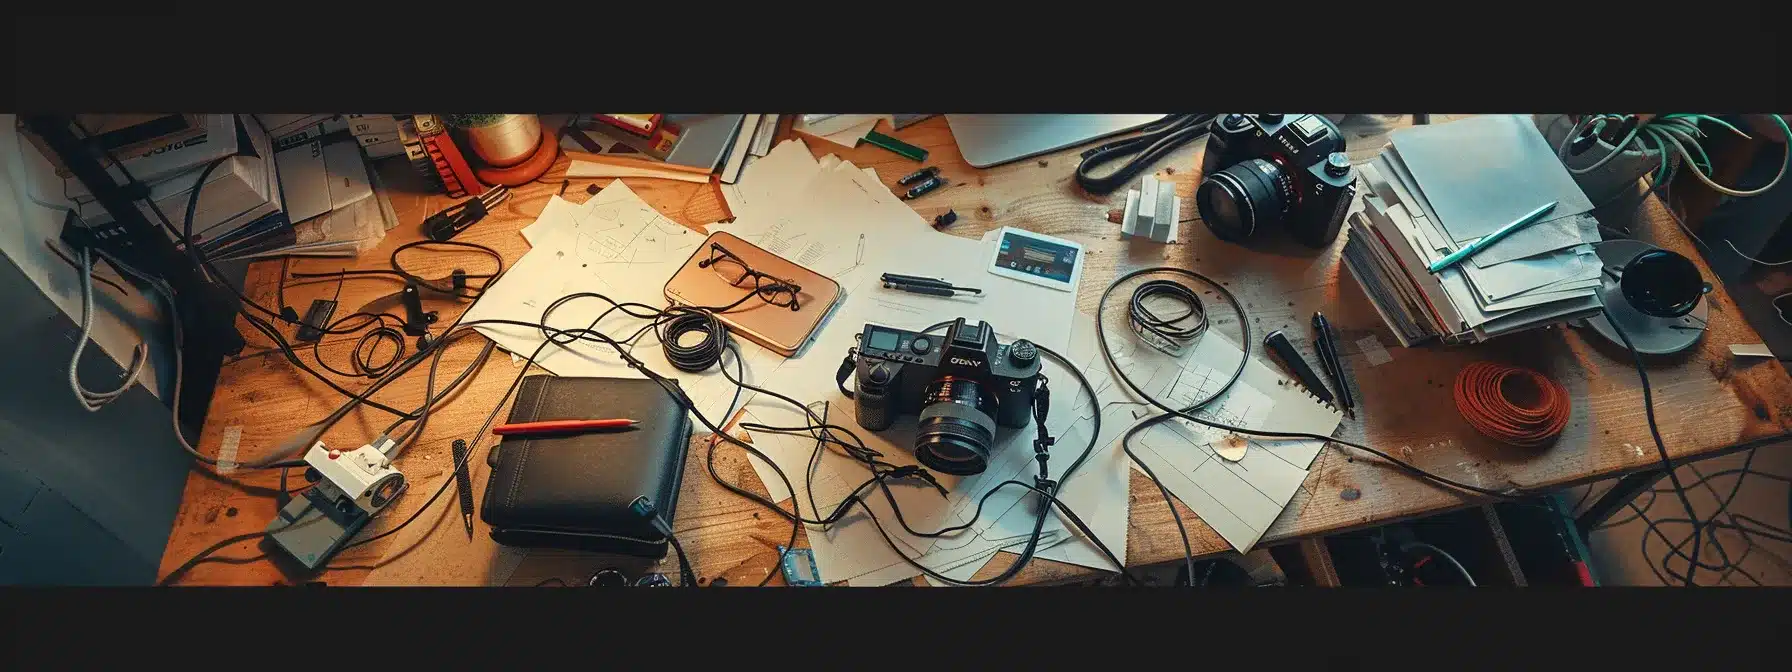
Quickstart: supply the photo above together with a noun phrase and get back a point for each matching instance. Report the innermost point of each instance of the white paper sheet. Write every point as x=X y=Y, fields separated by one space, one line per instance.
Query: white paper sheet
x=616 y=245
x=1238 y=499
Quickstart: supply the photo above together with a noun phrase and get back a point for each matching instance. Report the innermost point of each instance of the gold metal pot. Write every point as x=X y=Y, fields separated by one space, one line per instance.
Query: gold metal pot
x=508 y=142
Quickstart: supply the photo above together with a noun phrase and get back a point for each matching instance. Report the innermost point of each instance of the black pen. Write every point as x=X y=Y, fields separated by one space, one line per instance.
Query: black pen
x=913 y=279
x=464 y=482
x=900 y=279
x=1327 y=342
x=931 y=290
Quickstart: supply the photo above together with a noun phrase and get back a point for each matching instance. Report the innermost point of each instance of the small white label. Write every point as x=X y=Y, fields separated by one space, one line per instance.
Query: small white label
x=1372 y=350
x=233 y=436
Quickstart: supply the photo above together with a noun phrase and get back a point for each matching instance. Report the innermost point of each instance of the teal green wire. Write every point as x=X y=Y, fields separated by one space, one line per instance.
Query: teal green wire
x=1661 y=165
x=1706 y=117
x=1703 y=160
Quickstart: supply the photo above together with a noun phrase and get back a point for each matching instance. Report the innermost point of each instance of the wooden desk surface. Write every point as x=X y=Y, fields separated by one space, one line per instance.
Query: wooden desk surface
x=1706 y=402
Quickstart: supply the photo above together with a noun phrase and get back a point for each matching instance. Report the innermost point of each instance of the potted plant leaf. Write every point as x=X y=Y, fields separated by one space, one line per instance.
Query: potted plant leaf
x=501 y=140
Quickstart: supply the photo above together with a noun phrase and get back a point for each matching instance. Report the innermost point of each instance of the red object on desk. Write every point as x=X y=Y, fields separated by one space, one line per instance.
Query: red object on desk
x=562 y=426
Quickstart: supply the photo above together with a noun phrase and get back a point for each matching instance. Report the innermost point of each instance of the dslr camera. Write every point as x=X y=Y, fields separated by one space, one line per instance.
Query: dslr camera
x=1275 y=170
x=962 y=386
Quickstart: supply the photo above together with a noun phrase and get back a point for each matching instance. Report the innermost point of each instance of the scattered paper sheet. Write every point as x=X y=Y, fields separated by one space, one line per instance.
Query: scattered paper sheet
x=840 y=220
x=1238 y=499
x=618 y=246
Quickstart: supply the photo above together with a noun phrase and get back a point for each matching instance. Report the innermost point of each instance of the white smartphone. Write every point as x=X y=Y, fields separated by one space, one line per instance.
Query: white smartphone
x=1038 y=259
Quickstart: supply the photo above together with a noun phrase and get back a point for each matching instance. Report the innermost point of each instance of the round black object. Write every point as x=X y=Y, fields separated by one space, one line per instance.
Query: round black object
x=1244 y=197
x=1661 y=283
x=608 y=578
x=956 y=427
x=920 y=345
x=1022 y=353
x=880 y=374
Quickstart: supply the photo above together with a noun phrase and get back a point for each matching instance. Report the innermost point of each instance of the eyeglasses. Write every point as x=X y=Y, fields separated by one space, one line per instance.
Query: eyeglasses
x=735 y=271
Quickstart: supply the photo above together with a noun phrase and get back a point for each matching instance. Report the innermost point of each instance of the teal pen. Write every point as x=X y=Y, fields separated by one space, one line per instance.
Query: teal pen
x=1491 y=238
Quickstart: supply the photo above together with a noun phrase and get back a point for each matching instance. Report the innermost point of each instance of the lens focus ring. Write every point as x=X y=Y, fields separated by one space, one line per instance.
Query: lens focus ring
x=955 y=428
x=1247 y=195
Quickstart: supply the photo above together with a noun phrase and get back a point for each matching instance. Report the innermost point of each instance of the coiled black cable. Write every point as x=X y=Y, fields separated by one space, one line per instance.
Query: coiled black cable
x=698 y=356
x=367 y=345
x=1172 y=331
x=1157 y=140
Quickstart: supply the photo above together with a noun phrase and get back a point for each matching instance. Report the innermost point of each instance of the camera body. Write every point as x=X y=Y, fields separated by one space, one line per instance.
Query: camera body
x=1265 y=170
x=962 y=385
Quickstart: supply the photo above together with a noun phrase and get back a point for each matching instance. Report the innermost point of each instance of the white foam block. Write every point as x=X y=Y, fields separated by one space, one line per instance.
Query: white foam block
x=1129 y=222
x=1168 y=205
x=1148 y=201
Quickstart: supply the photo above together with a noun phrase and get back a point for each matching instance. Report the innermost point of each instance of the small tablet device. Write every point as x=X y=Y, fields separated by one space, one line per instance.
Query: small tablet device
x=1038 y=259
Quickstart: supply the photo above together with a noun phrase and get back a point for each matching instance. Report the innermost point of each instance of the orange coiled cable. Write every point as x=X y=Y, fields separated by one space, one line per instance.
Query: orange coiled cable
x=1512 y=404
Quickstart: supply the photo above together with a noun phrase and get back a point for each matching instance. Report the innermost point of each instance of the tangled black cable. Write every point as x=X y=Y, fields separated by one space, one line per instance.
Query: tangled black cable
x=1168 y=334
x=656 y=317
x=458 y=285
x=365 y=348
x=1745 y=526
x=1157 y=140
x=1512 y=494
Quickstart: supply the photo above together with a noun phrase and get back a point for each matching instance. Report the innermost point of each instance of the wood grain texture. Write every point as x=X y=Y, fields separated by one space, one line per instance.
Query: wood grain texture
x=1706 y=403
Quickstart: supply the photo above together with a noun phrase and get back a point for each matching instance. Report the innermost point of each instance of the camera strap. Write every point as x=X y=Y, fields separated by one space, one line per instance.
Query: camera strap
x=1149 y=146
x=1042 y=397
x=846 y=368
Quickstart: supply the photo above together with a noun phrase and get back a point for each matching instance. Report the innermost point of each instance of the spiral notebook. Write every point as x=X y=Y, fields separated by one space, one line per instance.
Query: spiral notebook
x=1239 y=498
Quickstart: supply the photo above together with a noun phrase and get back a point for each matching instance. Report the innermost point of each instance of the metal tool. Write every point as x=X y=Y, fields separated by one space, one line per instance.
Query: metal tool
x=1278 y=343
x=349 y=489
x=464 y=481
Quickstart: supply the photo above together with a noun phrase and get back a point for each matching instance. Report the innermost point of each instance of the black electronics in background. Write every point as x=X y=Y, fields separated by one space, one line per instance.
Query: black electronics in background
x=1544 y=543
x=207 y=311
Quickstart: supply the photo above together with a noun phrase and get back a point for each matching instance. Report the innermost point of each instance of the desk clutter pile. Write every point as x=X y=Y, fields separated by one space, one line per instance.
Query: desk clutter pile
x=269 y=184
x=1453 y=247
x=838 y=220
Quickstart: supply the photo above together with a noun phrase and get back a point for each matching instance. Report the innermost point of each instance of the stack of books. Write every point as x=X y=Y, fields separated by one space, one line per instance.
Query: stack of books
x=1437 y=188
x=332 y=202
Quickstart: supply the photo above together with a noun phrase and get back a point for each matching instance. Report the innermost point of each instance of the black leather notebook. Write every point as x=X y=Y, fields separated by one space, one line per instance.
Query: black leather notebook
x=574 y=491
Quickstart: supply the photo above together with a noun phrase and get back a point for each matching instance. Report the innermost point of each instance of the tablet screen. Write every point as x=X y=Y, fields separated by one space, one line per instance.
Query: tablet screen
x=1035 y=257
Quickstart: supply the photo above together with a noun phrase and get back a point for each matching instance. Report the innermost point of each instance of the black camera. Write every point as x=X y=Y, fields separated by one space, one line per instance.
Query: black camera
x=962 y=385
x=1266 y=170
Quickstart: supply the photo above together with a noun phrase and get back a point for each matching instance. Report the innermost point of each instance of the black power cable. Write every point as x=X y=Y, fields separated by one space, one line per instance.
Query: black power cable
x=1511 y=494
x=1167 y=333
x=1152 y=144
x=563 y=337
x=1661 y=449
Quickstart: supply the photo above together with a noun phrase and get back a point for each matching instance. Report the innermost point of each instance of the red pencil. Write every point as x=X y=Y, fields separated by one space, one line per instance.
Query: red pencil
x=562 y=426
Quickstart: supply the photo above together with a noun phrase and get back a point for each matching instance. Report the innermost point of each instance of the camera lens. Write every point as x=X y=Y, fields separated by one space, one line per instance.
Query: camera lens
x=1237 y=200
x=956 y=427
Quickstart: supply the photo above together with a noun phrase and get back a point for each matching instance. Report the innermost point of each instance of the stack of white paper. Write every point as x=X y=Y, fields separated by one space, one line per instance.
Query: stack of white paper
x=1426 y=198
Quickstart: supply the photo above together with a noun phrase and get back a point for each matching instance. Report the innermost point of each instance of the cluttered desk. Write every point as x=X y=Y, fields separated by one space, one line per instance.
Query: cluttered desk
x=851 y=354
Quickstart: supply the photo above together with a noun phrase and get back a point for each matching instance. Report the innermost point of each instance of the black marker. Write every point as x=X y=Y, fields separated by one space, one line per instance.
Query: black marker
x=918 y=175
x=931 y=184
